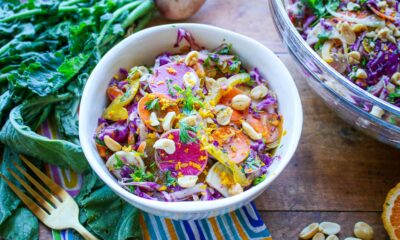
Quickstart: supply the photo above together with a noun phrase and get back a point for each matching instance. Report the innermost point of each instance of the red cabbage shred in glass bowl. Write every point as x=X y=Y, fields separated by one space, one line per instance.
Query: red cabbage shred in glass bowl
x=195 y=126
x=316 y=33
x=360 y=39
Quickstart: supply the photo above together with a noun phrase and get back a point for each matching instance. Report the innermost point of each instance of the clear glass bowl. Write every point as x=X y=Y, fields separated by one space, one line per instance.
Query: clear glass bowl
x=341 y=95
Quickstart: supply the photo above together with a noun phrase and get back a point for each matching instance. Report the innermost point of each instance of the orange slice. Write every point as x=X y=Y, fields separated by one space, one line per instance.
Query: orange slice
x=391 y=213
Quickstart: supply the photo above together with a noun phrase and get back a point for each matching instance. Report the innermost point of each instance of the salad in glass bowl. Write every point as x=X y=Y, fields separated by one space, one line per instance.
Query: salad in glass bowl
x=358 y=38
x=195 y=126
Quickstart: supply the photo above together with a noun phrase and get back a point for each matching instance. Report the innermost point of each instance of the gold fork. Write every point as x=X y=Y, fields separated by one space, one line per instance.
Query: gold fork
x=54 y=207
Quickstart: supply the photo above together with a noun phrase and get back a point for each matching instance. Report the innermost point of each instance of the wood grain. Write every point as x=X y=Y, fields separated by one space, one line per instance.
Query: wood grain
x=337 y=173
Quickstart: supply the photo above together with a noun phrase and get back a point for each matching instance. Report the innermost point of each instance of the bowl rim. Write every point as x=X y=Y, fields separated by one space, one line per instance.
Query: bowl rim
x=339 y=77
x=189 y=206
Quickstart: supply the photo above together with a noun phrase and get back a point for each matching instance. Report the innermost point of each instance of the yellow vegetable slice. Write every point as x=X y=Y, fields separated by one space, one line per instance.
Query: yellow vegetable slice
x=228 y=83
x=223 y=86
x=116 y=111
x=223 y=158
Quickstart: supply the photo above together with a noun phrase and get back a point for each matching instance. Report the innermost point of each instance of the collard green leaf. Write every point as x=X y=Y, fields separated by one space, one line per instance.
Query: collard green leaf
x=21 y=225
x=8 y=200
x=16 y=133
x=121 y=221
x=71 y=67
x=5 y=104
x=40 y=74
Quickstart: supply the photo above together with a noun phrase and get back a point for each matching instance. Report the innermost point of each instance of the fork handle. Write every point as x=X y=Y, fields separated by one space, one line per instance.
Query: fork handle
x=84 y=232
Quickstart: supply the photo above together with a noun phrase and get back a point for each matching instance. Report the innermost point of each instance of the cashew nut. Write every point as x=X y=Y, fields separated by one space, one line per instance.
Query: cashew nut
x=153 y=119
x=259 y=92
x=241 y=102
x=190 y=79
x=377 y=111
x=112 y=144
x=165 y=144
x=168 y=121
x=191 y=58
x=187 y=181
x=249 y=131
x=224 y=115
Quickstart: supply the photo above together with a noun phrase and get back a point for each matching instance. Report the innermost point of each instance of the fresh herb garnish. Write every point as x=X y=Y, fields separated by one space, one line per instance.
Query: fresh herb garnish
x=184 y=136
x=170 y=89
x=396 y=94
x=170 y=180
x=235 y=65
x=118 y=163
x=322 y=37
x=319 y=7
x=226 y=49
x=188 y=99
x=259 y=180
x=140 y=175
x=153 y=104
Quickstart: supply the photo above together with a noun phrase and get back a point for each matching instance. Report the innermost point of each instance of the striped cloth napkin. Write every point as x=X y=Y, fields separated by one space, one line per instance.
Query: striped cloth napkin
x=244 y=223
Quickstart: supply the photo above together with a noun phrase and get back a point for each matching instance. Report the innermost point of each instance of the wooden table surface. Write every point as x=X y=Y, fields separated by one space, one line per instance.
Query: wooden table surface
x=337 y=174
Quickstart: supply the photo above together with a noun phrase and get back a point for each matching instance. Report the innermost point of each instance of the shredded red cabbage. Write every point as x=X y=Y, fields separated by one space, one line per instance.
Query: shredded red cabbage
x=183 y=34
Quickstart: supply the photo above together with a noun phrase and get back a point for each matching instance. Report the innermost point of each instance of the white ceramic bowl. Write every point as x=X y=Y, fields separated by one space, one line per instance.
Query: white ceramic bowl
x=142 y=48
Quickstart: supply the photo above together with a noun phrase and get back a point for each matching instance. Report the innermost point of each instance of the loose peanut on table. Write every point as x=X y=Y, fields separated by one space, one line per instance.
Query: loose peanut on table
x=319 y=236
x=364 y=231
x=329 y=228
x=309 y=231
x=332 y=237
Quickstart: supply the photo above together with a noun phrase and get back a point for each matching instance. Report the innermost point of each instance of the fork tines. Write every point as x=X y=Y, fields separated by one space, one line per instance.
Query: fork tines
x=47 y=200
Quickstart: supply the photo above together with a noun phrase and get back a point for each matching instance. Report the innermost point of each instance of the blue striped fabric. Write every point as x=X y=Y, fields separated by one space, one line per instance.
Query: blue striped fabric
x=244 y=223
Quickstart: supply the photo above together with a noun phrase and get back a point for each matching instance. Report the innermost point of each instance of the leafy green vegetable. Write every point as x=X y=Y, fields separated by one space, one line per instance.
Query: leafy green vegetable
x=8 y=200
x=16 y=222
x=21 y=225
x=106 y=214
x=17 y=133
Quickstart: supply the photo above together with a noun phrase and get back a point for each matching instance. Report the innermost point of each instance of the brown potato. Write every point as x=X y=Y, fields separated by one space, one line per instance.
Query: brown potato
x=178 y=9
